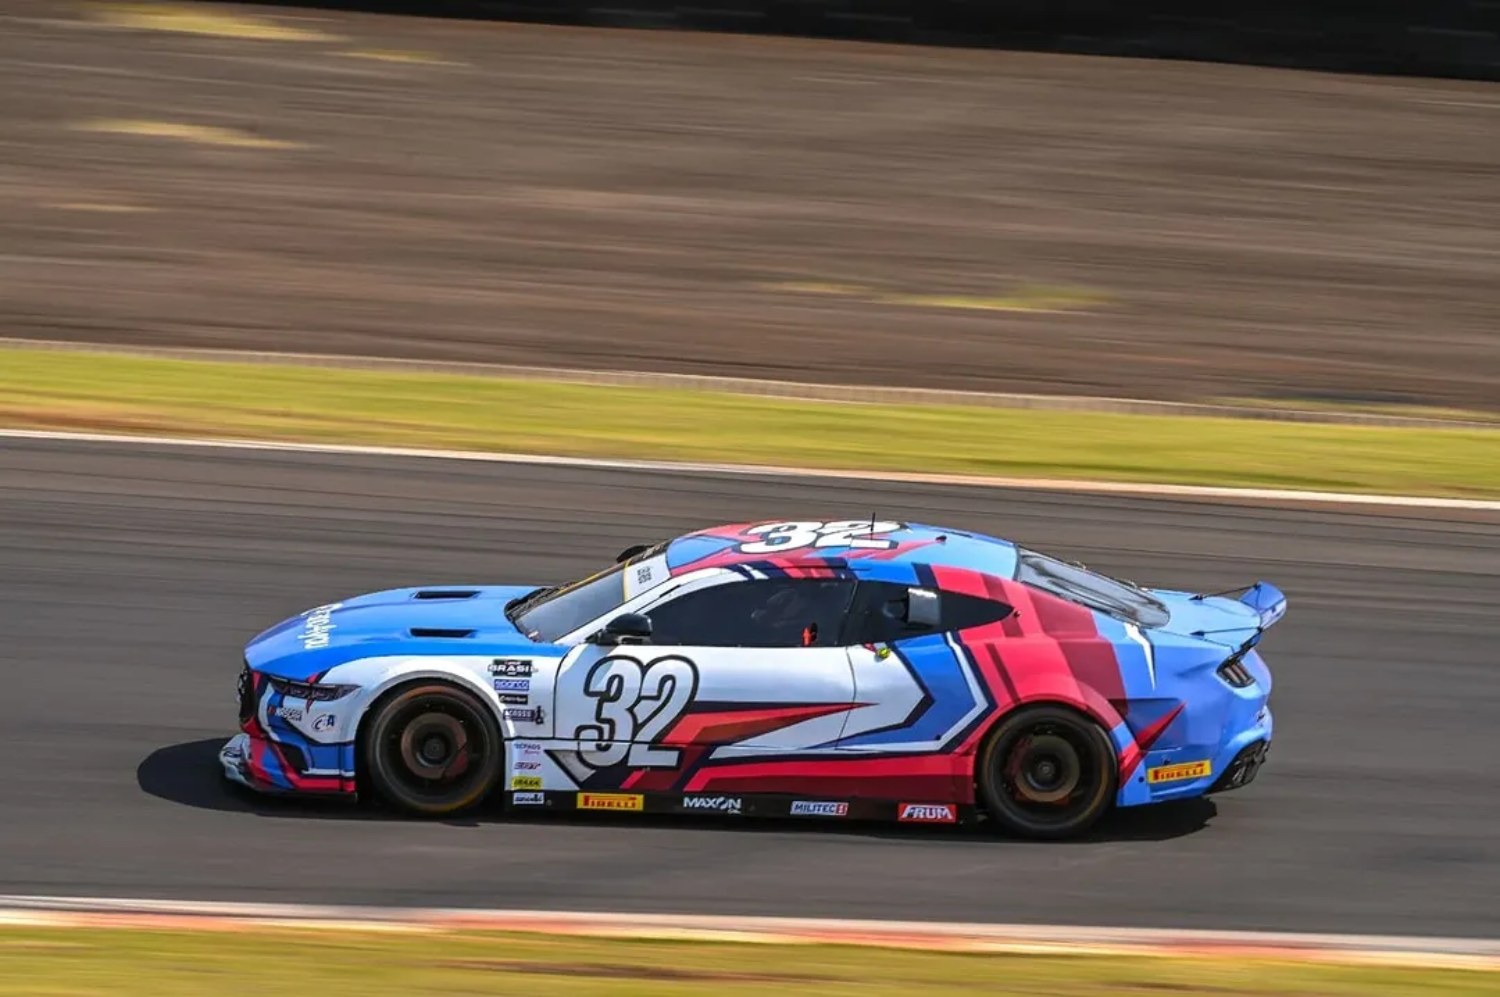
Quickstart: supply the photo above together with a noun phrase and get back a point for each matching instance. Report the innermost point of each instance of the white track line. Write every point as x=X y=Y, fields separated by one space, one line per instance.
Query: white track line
x=1072 y=940
x=1143 y=489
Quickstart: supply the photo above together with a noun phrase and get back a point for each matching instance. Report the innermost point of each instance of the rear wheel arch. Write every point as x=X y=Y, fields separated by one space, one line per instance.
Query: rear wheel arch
x=1093 y=743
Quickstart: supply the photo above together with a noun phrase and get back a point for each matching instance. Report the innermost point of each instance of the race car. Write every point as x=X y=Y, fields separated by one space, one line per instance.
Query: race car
x=855 y=670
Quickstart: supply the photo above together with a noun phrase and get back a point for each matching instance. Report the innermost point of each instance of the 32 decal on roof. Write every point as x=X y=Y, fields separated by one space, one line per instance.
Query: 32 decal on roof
x=862 y=534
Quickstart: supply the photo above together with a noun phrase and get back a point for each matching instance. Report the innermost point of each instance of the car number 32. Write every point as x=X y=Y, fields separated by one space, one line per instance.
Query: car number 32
x=634 y=704
x=859 y=534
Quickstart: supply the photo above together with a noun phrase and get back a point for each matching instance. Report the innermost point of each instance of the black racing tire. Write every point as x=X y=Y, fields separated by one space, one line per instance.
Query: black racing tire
x=1046 y=772
x=432 y=749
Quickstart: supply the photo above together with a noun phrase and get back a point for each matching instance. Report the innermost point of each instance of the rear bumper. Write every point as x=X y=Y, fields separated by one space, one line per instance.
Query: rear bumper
x=1190 y=770
x=1242 y=768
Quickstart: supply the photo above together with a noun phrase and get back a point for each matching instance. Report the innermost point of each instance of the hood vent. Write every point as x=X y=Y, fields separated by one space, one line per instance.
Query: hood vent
x=446 y=594
x=439 y=632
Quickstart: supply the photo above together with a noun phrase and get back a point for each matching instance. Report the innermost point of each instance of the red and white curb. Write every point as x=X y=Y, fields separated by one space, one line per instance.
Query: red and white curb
x=92 y=912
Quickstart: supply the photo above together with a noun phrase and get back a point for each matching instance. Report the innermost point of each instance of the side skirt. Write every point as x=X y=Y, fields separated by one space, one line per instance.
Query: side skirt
x=826 y=808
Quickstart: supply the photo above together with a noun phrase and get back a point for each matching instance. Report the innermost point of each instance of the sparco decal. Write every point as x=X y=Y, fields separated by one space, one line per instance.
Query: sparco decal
x=819 y=808
x=720 y=804
x=317 y=624
x=927 y=813
x=512 y=685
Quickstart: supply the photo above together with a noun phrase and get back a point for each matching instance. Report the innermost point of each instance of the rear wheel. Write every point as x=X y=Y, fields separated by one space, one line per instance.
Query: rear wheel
x=1047 y=772
x=433 y=749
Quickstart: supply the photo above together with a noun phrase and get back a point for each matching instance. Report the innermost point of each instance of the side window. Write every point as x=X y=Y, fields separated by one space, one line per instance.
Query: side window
x=885 y=612
x=772 y=612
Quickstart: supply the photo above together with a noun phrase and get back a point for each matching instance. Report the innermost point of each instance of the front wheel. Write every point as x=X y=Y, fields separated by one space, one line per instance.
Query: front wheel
x=1047 y=772
x=433 y=750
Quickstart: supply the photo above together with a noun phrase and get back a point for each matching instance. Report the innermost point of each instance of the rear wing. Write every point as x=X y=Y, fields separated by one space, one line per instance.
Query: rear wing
x=1267 y=600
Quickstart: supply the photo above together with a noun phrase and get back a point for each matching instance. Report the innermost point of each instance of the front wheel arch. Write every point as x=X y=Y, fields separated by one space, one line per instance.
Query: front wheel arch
x=365 y=784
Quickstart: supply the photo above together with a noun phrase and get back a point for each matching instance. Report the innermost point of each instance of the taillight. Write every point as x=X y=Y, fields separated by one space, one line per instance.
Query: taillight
x=1235 y=673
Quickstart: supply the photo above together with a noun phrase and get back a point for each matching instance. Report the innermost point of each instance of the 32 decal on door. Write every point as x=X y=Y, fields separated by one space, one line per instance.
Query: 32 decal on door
x=634 y=704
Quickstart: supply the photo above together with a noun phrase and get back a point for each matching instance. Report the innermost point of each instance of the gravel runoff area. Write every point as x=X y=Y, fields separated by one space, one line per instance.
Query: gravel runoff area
x=276 y=178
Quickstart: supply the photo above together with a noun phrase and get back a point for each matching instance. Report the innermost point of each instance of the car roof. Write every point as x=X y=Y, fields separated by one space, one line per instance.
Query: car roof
x=907 y=543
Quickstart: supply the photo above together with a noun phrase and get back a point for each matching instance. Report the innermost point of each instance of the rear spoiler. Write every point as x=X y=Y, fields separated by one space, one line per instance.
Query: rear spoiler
x=1268 y=602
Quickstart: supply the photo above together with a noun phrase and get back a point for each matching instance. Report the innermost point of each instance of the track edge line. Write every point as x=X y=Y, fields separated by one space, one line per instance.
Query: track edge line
x=1085 y=486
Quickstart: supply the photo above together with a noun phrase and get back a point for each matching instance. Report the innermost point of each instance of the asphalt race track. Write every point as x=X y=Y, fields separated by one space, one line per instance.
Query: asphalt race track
x=129 y=577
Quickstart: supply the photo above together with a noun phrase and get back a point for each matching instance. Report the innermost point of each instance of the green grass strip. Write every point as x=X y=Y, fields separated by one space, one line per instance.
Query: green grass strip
x=83 y=391
x=269 y=963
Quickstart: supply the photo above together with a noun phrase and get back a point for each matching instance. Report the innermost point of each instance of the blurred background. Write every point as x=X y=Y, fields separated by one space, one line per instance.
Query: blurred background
x=321 y=178
x=1113 y=226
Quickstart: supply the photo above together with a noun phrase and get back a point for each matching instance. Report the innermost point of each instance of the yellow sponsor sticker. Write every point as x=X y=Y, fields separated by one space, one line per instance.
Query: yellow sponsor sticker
x=1179 y=772
x=525 y=782
x=611 y=801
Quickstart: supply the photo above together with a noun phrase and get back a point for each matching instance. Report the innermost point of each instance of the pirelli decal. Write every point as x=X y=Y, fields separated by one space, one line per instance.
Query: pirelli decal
x=1180 y=771
x=610 y=801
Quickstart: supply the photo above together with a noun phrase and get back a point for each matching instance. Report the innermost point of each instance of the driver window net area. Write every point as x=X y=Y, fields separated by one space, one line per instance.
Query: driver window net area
x=771 y=612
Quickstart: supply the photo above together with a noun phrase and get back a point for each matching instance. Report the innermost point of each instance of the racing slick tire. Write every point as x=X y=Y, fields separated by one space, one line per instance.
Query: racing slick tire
x=1046 y=772
x=432 y=749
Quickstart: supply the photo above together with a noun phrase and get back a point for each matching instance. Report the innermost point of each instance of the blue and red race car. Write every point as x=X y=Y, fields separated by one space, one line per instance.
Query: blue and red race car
x=857 y=669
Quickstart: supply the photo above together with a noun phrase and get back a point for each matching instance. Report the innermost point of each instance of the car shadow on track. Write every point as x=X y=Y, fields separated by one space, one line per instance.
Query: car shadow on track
x=189 y=774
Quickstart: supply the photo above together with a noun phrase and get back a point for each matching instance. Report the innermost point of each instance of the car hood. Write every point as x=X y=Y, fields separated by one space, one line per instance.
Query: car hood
x=451 y=619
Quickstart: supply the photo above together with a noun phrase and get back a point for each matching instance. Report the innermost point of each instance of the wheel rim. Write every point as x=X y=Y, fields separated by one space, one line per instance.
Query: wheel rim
x=433 y=749
x=1050 y=774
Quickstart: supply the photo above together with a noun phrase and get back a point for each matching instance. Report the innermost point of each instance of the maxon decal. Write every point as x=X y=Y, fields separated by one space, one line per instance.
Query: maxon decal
x=719 y=804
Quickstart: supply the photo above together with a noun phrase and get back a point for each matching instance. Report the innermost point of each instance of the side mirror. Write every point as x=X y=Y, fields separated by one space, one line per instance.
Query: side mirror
x=627 y=628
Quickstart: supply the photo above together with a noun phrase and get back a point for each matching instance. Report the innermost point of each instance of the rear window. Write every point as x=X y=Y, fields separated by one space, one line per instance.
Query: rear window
x=1076 y=583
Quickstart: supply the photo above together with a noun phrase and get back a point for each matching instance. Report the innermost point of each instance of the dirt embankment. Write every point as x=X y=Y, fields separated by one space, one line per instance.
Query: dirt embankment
x=753 y=206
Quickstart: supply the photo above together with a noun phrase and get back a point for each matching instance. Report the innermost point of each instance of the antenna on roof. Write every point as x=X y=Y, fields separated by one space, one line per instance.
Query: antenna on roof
x=872 y=523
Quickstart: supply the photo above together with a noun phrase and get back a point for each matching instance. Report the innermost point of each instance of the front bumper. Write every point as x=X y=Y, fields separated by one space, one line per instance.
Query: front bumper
x=235 y=759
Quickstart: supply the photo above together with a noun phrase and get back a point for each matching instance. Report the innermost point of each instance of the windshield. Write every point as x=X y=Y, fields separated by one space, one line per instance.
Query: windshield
x=549 y=614
x=1074 y=582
